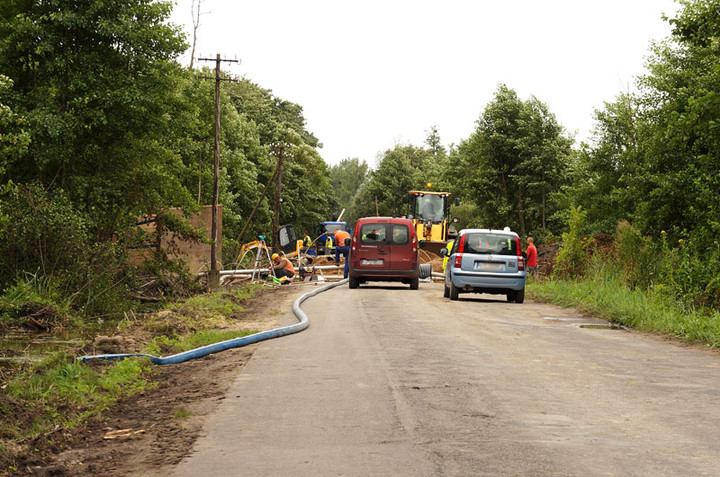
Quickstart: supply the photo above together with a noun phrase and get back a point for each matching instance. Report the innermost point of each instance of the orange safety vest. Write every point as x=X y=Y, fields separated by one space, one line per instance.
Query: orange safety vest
x=340 y=236
x=288 y=265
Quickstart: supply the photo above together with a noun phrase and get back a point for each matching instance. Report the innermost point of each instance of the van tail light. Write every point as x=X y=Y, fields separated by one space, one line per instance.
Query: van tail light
x=353 y=255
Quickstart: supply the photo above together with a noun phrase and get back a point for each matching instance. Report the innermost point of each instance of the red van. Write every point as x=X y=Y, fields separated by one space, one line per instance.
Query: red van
x=384 y=249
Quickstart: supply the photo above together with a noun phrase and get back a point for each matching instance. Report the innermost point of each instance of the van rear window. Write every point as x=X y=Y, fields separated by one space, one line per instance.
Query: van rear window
x=400 y=234
x=372 y=234
x=491 y=243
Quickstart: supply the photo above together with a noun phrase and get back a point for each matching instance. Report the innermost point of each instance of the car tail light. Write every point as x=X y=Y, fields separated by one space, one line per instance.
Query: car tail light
x=458 y=260
x=461 y=245
x=517 y=247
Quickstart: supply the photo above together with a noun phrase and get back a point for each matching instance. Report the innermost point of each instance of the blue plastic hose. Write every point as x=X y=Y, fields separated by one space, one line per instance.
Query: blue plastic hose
x=228 y=344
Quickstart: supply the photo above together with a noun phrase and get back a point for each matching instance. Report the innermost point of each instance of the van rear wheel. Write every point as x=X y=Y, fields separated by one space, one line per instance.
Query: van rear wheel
x=414 y=283
x=353 y=282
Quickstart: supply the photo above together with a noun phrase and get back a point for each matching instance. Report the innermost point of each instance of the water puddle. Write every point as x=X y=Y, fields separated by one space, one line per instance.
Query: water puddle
x=20 y=347
x=604 y=326
x=553 y=318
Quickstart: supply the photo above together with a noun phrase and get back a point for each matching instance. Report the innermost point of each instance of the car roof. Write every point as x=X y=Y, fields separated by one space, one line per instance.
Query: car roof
x=491 y=231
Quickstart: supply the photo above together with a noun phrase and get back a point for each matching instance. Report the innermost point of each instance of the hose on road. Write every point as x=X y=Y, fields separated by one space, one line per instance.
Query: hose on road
x=232 y=343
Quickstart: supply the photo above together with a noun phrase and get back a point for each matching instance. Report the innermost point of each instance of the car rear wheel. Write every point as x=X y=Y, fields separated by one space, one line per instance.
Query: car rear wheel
x=454 y=291
x=414 y=283
x=446 y=291
x=353 y=282
x=511 y=296
x=520 y=296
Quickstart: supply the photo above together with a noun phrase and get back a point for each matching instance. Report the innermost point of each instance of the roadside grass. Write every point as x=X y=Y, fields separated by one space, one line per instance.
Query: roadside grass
x=606 y=297
x=62 y=393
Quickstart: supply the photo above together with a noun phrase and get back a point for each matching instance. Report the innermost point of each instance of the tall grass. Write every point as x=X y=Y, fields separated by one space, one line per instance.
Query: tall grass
x=610 y=299
x=639 y=282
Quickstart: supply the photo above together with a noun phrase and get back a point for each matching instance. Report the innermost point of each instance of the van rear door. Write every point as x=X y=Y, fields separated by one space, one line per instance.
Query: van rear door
x=373 y=251
x=402 y=247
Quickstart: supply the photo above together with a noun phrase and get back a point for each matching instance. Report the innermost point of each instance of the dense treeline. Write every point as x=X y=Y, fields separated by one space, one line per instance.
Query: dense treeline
x=100 y=125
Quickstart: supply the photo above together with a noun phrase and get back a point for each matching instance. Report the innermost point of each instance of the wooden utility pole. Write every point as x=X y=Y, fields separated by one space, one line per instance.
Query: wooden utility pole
x=214 y=273
x=279 y=152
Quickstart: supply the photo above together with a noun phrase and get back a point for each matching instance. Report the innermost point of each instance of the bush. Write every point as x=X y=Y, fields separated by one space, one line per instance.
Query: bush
x=48 y=257
x=572 y=258
x=635 y=255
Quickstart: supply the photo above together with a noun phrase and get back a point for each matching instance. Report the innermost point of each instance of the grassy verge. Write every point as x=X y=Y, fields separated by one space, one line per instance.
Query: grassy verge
x=61 y=393
x=644 y=310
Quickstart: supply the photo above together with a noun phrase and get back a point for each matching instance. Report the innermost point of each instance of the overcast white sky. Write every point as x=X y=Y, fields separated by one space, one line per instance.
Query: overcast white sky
x=376 y=73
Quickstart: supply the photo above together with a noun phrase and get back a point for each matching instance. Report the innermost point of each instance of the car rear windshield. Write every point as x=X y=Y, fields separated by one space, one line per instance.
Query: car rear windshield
x=497 y=244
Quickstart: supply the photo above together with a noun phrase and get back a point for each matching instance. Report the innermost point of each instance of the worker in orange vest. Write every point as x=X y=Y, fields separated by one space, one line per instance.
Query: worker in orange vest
x=342 y=246
x=282 y=267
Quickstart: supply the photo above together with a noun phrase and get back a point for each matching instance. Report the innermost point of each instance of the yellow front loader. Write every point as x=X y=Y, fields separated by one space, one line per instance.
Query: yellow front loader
x=430 y=213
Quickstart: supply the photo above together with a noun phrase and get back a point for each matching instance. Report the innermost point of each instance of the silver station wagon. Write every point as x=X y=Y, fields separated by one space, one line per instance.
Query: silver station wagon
x=485 y=261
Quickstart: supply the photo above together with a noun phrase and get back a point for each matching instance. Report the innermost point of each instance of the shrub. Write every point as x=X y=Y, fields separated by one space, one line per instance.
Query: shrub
x=635 y=255
x=572 y=258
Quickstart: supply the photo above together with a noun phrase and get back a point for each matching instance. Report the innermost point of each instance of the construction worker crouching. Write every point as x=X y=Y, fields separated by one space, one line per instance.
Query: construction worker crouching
x=282 y=267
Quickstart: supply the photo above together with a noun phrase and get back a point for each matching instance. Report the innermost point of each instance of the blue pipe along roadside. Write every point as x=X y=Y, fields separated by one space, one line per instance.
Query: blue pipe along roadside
x=232 y=343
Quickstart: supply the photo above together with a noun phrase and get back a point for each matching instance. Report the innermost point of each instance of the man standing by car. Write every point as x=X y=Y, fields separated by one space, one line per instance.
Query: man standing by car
x=531 y=256
x=342 y=246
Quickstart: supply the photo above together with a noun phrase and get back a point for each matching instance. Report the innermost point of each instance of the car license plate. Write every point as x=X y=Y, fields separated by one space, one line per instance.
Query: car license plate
x=489 y=266
x=371 y=261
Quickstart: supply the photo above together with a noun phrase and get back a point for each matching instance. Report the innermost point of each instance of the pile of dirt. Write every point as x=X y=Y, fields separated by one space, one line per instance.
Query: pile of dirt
x=434 y=260
x=546 y=258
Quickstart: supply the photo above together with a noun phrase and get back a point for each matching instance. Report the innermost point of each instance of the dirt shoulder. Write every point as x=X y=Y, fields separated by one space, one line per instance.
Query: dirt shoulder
x=144 y=433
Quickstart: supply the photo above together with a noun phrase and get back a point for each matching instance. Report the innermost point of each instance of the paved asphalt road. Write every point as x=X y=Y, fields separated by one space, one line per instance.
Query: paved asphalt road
x=389 y=381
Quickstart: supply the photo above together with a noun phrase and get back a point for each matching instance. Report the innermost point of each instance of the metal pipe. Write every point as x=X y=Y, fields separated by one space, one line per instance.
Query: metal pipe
x=255 y=270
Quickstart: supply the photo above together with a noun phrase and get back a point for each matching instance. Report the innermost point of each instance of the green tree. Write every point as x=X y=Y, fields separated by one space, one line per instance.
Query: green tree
x=14 y=139
x=347 y=179
x=94 y=80
x=401 y=169
x=516 y=157
x=682 y=97
x=607 y=179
